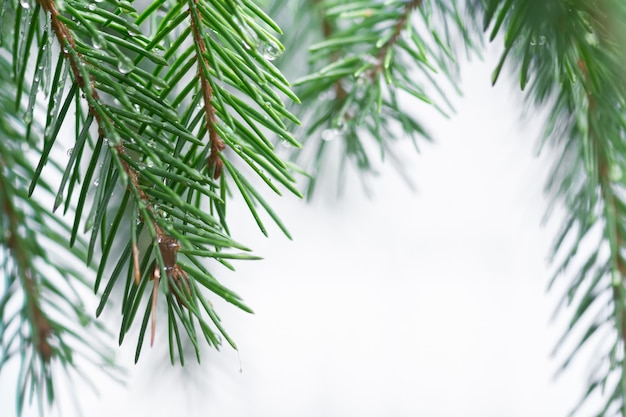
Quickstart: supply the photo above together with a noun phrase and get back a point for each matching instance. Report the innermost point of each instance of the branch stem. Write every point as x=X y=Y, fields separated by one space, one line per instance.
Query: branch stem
x=215 y=142
x=397 y=32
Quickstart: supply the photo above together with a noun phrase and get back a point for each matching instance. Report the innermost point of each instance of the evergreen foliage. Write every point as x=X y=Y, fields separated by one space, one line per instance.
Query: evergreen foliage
x=173 y=108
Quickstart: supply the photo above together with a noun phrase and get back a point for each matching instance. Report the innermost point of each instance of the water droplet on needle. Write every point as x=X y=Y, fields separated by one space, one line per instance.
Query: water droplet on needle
x=270 y=51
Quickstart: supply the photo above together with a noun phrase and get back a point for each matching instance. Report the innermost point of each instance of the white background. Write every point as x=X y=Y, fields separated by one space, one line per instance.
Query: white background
x=428 y=303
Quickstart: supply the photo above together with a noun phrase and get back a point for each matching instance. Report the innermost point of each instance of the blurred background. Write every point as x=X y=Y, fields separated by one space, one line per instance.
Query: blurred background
x=427 y=303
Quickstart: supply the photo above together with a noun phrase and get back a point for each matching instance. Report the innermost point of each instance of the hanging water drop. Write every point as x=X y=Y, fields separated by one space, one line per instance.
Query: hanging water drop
x=125 y=65
x=70 y=151
x=533 y=42
x=330 y=134
x=270 y=51
x=328 y=95
x=28 y=117
x=98 y=41
x=615 y=173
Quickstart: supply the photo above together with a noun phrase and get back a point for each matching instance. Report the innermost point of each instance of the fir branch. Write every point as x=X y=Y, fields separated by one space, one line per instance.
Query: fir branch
x=42 y=320
x=367 y=49
x=167 y=245
x=40 y=325
x=151 y=141
x=577 y=63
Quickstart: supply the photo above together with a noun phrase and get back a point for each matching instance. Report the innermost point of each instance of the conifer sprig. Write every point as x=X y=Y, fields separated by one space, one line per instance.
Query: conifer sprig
x=362 y=74
x=168 y=121
x=43 y=322
x=570 y=58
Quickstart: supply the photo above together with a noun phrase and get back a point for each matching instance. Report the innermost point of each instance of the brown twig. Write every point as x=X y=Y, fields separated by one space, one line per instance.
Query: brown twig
x=397 y=32
x=215 y=142
x=327 y=32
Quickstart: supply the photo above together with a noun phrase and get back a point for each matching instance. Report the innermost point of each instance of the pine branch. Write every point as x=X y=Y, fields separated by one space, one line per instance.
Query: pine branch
x=42 y=320
x=366 y=50
x=570 y=58
x=151 y=164
x=167 y=245
x=39 y=323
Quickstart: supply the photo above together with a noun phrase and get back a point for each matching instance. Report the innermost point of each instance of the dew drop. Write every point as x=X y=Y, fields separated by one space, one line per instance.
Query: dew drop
x=28 y=117
x=96 y=183
x=330 y=134
x=98 y=41
x=615 y=173
x=69 y=151
x=533 y=42
x=92 y=6
x=270 y=51
x=125 y=65
x=592 y=39
x=25 y=4
x=130 y=90
x=542 y=40
x=48 y=131
x=327 y=95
